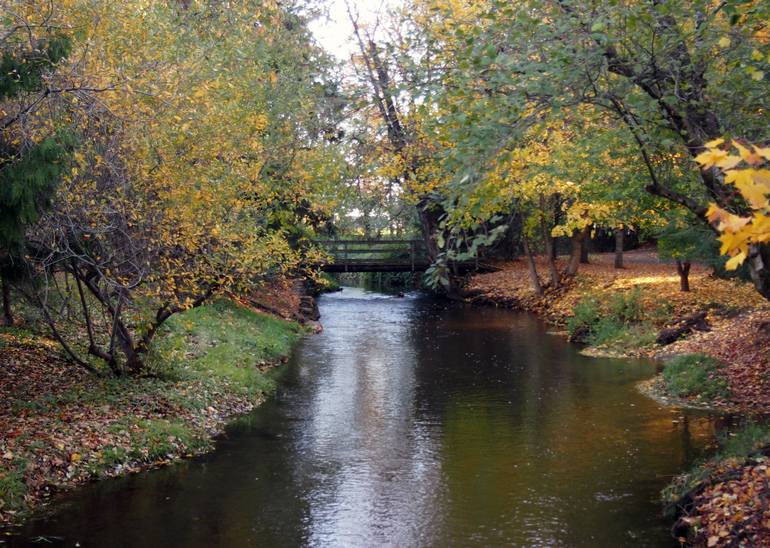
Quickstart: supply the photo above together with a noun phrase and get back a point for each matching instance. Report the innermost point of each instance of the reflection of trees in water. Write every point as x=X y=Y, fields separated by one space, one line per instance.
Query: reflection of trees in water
x=536 y=433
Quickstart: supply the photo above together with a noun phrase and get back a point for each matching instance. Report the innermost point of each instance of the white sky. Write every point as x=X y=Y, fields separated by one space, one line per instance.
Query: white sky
x=335 y=33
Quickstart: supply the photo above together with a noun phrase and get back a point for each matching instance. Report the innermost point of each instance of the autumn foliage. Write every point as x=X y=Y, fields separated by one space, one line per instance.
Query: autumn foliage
x=748 y=172
x=200 y=167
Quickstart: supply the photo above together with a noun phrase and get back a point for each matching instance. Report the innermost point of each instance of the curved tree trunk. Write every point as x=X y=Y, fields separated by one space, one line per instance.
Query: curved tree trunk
x=759 y=268
x=429 y=220
x=584 y=248
x=550 y=255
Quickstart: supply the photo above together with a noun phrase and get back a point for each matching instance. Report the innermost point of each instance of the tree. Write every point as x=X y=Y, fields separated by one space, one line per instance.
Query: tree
x=669 y=73
x=401 y=131
x=685 y=241
x=30 y=165
x=207 y=158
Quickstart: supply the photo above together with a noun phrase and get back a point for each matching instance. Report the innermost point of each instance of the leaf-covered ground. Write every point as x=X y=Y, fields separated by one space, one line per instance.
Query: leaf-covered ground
x=734 y=510
x=63 y=426
x=658 y=282
x=727 y=512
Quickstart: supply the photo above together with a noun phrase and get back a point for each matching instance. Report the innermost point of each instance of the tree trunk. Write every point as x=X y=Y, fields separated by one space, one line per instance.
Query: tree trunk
x=585 y=244
x=550 y=256
x=7 y=311
x=759 y=268
x=578 y=239
x=619 y=235
x=683 y=268
x=534 y=278
x=429 y=220
x=557 y=217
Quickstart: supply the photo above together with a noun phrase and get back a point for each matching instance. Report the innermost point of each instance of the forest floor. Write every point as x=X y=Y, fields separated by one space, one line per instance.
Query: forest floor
x=724 y=500
x=62 y=426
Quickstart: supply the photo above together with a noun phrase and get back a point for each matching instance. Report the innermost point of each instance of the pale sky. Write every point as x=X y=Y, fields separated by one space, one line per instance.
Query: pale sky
x=335 y=33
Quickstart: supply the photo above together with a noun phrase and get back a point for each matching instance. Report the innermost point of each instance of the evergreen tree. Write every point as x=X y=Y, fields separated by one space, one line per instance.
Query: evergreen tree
x=28 y=171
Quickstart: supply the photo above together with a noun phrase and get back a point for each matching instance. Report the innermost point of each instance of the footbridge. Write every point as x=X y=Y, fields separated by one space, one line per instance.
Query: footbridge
x=382 y=256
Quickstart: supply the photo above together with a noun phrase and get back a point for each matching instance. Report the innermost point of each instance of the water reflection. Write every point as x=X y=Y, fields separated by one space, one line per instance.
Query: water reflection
x=411 y=422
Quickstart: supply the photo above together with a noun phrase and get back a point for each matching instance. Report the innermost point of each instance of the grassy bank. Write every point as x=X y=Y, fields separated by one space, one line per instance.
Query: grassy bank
x=65 y=427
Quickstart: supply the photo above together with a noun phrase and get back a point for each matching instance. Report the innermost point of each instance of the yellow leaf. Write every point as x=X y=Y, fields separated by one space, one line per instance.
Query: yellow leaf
x=746 y=154
x=764 y=152
x=715 y=143
x=711 y=157
x=727 y=221
x=724 y=42
x=752 y=185
x=729 y=163
x=735 y=261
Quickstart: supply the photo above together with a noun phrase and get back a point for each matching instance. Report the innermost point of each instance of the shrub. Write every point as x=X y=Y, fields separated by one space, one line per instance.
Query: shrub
x=695 y=375
x=622 y=336
x=586 y=315
x=627 y=307
x=606 y=330
x=618 y=324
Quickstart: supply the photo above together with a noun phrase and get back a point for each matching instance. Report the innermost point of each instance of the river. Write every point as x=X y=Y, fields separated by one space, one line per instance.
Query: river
x=413 y=422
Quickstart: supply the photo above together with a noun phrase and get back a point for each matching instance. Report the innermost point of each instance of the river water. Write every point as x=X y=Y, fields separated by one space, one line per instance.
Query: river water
x=413 y=422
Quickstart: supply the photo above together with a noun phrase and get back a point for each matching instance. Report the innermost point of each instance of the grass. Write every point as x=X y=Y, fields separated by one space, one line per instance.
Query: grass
x=154 y=439
x=150 y=441
x=617 y=325
x=624 y=337
x=223 y=342
x=695 y=375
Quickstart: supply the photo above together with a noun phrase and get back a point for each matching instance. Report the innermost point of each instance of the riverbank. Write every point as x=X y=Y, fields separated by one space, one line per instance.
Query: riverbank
x=721 y=364
x=64 y=427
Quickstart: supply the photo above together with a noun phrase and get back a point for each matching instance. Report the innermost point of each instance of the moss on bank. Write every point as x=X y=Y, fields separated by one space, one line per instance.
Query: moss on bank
x=66 y=427
x=733 y=447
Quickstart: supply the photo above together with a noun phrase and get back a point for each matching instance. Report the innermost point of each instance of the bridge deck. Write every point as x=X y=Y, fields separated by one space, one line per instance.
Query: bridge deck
x=381 y=256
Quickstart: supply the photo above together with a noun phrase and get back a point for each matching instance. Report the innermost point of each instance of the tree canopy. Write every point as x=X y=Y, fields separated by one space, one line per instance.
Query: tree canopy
x=158 y=154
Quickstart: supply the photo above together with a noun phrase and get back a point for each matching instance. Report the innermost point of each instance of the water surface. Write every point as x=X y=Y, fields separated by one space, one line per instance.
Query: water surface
x=413 y=422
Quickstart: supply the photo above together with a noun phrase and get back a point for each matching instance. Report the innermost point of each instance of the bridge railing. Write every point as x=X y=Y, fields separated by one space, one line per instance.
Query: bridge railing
x=355 y=254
